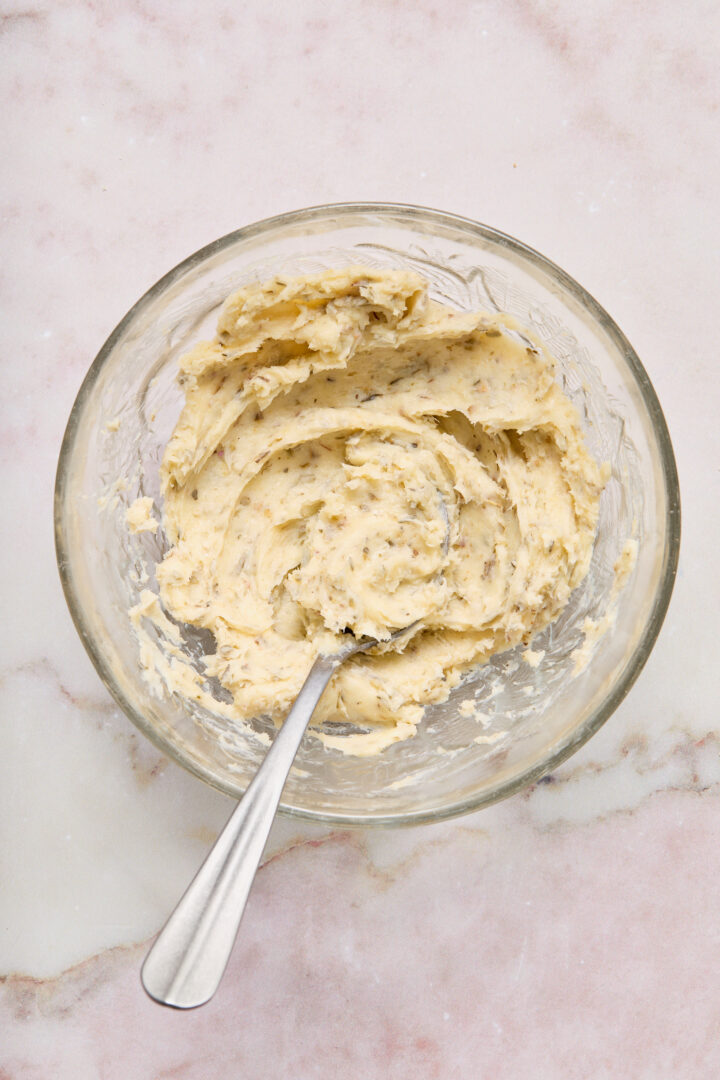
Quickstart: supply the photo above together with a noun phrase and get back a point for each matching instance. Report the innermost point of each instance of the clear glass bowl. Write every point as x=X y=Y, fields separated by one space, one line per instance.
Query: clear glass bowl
x=533 y=718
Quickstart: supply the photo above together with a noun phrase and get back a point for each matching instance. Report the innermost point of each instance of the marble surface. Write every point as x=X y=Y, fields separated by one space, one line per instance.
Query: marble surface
x=572 y=931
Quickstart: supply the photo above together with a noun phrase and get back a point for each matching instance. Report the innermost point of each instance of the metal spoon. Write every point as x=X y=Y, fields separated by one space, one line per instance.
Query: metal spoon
x=185 y=965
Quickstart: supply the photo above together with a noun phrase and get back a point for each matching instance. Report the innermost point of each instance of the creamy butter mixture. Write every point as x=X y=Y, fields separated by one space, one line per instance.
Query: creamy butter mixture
x=354 y=455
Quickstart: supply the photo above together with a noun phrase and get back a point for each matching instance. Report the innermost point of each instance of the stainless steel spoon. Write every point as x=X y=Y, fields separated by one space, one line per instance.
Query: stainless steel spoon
x=185 y=965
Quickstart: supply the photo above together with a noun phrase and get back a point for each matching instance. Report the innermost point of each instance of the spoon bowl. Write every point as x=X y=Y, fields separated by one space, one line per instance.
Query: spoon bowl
x=508 y=722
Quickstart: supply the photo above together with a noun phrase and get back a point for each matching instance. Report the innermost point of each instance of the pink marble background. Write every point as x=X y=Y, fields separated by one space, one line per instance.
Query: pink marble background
x=571 y=932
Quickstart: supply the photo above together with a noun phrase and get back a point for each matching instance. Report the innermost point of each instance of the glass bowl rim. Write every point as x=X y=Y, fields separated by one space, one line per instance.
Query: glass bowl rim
x=642 y=649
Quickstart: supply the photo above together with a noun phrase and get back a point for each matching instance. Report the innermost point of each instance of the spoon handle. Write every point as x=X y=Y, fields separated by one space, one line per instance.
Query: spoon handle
x=186 y=963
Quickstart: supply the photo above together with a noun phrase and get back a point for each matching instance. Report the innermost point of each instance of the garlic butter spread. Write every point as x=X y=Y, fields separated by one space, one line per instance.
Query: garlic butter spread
x=354 y=455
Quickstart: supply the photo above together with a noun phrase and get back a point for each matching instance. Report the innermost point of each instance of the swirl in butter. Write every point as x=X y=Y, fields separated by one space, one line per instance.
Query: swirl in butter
x=352 y=454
